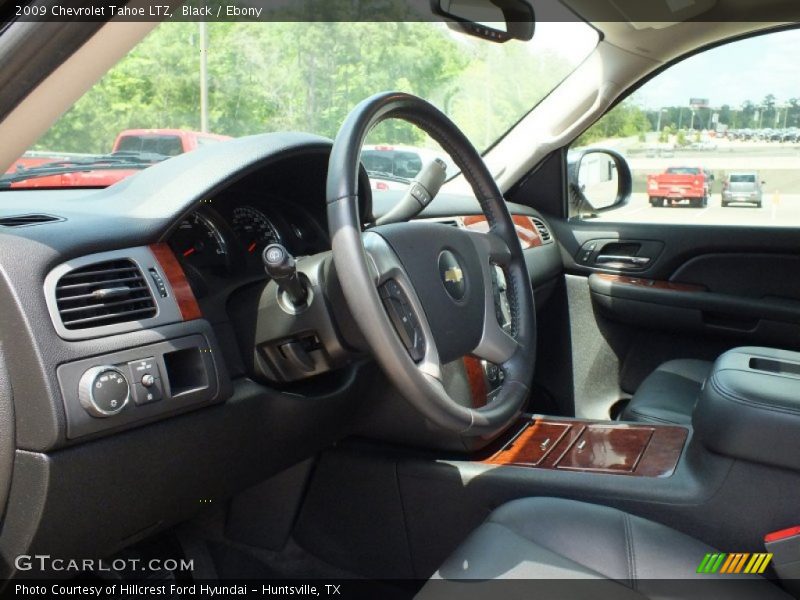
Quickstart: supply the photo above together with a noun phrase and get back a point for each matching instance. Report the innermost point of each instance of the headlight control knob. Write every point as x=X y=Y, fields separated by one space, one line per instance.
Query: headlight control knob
x=104 y=391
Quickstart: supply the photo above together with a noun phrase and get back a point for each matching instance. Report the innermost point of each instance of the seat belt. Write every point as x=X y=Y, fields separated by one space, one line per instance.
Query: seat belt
x=784 y=545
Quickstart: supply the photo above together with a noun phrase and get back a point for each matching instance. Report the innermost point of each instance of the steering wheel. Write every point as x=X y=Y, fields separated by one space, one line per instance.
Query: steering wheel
x=423 y=293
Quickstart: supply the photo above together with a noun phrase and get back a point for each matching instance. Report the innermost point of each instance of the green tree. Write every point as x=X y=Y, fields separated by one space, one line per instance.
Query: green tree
x=624 y=120
x=307 y=76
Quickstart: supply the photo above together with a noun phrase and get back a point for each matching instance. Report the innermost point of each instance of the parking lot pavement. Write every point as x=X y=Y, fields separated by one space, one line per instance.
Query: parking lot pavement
x=778 y=210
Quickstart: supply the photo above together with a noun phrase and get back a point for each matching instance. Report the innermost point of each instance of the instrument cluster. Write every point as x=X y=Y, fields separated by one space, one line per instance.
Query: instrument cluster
x=225 y=240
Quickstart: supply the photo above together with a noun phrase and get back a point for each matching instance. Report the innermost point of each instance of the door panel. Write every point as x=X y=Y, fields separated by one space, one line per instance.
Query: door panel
x=666 y=273
x=706 y=290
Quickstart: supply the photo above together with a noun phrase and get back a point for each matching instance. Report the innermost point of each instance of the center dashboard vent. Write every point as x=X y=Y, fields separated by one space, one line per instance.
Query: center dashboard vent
x=23 y=220
x=543 y=230
x=104 y=293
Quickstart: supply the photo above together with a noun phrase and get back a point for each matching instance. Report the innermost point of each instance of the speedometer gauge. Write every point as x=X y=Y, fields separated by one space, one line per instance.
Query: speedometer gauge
x=198 y=241
x=254 y=229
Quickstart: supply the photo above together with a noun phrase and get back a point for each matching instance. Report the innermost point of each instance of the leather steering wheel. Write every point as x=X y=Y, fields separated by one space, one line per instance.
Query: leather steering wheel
x=423 y=293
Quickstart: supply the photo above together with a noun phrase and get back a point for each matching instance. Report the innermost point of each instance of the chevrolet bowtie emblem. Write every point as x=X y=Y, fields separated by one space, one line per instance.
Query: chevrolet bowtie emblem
x=453 y=275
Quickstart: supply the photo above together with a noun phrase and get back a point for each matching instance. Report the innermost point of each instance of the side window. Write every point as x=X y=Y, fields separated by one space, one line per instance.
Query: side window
x=206 y=141
x=713 y=140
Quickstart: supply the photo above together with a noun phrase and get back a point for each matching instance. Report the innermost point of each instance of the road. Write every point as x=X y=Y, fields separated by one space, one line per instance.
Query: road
x=778 y=210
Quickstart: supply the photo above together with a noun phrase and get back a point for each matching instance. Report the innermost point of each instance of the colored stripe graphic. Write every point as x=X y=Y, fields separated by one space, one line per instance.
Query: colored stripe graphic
x=740 y=564
x=763 y=566
x=730 y=564
x=735 y=563
x=704 y=563
x=727 y=564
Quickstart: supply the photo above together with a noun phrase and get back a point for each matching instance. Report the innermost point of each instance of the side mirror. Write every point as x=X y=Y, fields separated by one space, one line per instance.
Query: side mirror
x=494 y=20
x=599 y=180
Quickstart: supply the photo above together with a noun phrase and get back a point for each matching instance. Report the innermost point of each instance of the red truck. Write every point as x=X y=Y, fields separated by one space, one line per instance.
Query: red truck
x=680 y=183
x=158 y=142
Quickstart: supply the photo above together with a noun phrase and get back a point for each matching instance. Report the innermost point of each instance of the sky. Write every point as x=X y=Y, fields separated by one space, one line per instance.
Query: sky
x=731 y=74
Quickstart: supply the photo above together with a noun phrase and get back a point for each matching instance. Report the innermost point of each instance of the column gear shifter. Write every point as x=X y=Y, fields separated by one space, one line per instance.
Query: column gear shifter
x=282 y=268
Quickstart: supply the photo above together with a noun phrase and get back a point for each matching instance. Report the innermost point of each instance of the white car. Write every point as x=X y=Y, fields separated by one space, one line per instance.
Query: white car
x=391 y=167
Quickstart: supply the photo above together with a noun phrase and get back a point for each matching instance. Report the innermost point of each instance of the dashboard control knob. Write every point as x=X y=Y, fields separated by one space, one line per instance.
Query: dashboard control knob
x=282 y=268
x=104 y=391
x=148 y=380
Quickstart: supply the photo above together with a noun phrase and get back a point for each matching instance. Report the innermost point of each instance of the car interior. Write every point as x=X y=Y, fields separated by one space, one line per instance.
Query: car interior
x=247 y=357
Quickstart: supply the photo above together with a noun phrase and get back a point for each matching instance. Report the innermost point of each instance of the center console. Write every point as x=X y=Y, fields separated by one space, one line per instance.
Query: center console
x=750 y=407
x=592 y=447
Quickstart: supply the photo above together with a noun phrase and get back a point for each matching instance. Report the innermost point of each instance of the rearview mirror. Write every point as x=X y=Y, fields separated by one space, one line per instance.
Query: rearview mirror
x=495 y=20
x=599 y=180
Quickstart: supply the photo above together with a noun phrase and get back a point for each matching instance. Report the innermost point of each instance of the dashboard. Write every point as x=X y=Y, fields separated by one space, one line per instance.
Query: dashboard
x=189 y=232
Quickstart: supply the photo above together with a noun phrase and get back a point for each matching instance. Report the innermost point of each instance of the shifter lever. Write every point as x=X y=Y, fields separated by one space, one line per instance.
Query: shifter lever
x=281 y=267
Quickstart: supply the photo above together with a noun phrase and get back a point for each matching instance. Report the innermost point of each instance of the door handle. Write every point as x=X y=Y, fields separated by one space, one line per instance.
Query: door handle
x=628 y=261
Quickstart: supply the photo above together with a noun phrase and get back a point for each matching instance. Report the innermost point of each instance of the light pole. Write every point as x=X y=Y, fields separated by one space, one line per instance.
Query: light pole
x=203 y=77
x=660 y=112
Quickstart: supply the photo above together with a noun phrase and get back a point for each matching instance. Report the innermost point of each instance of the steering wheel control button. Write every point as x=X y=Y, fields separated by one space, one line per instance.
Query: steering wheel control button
x=405 y=322
x=420 y=194
x=452 y=276
x=103 y=391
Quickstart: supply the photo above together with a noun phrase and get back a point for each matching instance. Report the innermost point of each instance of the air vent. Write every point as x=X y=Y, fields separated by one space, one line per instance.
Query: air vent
x=544 y=232
x=23 y=220
x=104 y=293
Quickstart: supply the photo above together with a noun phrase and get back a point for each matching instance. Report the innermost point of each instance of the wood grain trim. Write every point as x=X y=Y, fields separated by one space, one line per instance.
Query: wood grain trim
x=532 y=445
x=661 y=456
x=652 y=283
x=476 y=380
x=637 y=450
x=181 y=289
x=607 y=449
x=526 y=231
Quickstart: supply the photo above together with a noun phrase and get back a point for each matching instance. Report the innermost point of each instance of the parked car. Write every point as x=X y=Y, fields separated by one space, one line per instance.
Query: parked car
x=677 y=184
x=133 y=150
x=167 y=142
x=393 y=166
x=742 y=187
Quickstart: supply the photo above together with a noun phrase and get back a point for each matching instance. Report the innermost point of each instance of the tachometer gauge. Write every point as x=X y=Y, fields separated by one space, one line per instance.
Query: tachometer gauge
x=254 y=229
x=198 y=241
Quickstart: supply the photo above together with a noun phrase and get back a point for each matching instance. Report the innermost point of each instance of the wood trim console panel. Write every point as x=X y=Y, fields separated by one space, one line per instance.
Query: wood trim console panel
x=184 y=296
x=593 y=447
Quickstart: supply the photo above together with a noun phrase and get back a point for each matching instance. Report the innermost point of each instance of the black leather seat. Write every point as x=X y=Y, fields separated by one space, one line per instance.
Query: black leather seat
x=669 y=393
x=558 y=539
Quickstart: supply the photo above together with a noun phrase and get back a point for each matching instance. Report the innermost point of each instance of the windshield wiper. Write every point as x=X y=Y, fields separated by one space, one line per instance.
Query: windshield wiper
x=105 y=162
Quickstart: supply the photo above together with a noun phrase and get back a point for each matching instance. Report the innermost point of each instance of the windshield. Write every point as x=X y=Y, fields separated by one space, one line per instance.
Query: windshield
x=683 y=171
x=168 y=145
x=298 y=76
x=743 y=178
